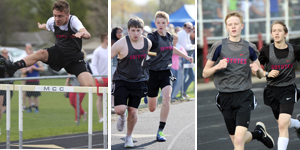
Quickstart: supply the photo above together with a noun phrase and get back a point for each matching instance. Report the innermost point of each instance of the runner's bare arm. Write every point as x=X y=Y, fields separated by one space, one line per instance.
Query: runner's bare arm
x=210 y=69
x=180 y=53
x=42 y=26
x=82 y=33
x=117 y=47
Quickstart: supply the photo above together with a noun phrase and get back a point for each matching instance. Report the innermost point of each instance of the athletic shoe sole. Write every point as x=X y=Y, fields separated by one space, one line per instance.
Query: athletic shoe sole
x=265 y=133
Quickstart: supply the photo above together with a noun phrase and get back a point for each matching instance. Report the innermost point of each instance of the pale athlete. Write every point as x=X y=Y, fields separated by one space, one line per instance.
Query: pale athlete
x=229 y=60
x=131 y=76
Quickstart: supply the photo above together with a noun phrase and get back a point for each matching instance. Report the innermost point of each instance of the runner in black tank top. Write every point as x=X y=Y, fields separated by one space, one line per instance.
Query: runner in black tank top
x=131 y=76
x=159 y=68
x=281 y=92
x=66 y=53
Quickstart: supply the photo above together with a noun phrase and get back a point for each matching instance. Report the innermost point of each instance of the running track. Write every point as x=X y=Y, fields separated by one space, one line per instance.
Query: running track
x=212 y=133
x=73 y=141
x=179 y=130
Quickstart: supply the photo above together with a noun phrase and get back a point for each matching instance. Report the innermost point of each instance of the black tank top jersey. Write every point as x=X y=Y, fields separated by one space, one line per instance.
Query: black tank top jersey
x=164 y=50
x=66 y=42
x=133 y=67
x=285 y=66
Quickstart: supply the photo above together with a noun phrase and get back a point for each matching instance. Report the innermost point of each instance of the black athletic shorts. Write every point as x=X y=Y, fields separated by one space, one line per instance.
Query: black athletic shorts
x=280 y=99
x=33 y=93
x=4 y=94
x=236 y=108
x=129 y=93
x=73 y=62
x=158 y=79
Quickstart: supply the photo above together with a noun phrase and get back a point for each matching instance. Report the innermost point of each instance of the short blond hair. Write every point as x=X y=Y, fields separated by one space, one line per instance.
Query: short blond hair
x=234 y=14
x=161 y=14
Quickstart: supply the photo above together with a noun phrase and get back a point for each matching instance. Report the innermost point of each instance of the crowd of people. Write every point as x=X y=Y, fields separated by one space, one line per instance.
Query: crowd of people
x=213 y=10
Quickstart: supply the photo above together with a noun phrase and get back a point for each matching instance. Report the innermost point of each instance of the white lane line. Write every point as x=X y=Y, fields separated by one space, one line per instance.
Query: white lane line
x=49 y=139
x=174 y=140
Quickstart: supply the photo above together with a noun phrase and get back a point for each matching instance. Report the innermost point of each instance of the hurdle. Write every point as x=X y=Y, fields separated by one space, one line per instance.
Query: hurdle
x=45 y=88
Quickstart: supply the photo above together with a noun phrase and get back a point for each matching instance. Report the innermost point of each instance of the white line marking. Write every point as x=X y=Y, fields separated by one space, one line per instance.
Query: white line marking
x=173 y=141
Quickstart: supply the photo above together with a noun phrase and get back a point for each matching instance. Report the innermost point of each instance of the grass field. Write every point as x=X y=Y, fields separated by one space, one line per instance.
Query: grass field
x=56 y=116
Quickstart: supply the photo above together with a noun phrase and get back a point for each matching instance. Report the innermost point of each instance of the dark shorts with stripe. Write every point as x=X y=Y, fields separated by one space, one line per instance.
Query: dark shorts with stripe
x=129 y=93
x=281 y=99
x=73 y=62
x=236 y=108
x=33 y=93
x=158 y=79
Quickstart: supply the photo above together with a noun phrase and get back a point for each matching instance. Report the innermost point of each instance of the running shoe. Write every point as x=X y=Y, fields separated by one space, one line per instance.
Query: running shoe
x=298 y=130
x=161 y=137
x=101 y=120
x=266 y=139
x=128 y=142
x=36 y=111
x=29 y=110
x=121 y=123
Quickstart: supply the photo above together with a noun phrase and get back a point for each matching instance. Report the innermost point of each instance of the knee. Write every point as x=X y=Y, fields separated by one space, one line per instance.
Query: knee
x=132 y=114
x=119 y=111
x=282 y=125
x=166 y=100
x=42 y=53
x=238 y=140
x=151 y=108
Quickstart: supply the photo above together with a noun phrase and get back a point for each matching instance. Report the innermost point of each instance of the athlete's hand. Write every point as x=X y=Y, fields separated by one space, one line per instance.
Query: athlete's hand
x=222 y=64
x=254 y=67
x=79 y=35
x=100 y=80
x=273 y=74
x=190 y=59
x=42 y=26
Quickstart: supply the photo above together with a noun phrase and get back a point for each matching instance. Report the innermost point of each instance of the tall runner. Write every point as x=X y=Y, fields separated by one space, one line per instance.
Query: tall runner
x=131 y=76
x=281 y=92
x=229 y=61
x=66 y=53
x=159 y=69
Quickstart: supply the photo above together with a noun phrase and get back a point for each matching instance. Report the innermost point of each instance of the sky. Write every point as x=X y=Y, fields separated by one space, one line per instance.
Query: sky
x=140 y=2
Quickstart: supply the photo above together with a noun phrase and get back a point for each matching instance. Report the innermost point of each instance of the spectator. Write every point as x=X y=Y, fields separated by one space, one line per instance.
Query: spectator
x=232 y=5
x=116 y=34
x=73 y=98
x=100 y=67
x=28 y=46
x=258 y=11
x=177 y=29
x=33 y=71
x=185 y=41
x=4 y=53
x=184 y=36
x=192 y=36
x=177 y=69
x=274 y=8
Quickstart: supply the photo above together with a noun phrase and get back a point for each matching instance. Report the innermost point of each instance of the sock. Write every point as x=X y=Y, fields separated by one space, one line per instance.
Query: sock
x=161 y=126
x=295 y=123
x=256 y=135
x=20 y=64
x=282 y=143
x=36 y=107
x=128 y=136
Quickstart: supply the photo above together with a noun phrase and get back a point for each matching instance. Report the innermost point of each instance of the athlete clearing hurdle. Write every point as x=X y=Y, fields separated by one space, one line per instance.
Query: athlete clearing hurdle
x=66 y=53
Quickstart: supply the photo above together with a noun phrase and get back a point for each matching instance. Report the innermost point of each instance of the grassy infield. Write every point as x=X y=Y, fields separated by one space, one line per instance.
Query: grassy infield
x=56 y=116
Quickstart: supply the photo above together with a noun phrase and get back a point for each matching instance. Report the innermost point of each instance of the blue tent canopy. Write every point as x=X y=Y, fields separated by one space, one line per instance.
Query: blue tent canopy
x=187 y=13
